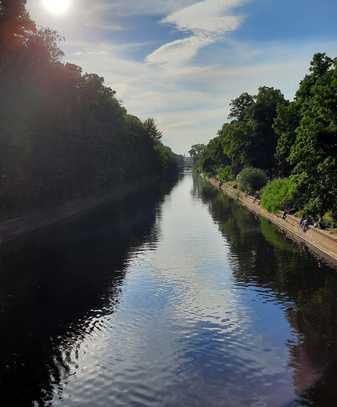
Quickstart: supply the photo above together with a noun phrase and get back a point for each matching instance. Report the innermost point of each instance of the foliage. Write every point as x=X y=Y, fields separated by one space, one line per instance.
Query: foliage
x=15 y=24
x=63 y=133
x=330 y=220
x=314 y=152
x=279 y=194
x=225 y=174
x=240 y=106
x=252 y=179
x=196 y=151
x=295 y=140
x=168 y=160
x=285 y=125
x=152 y=130
x=213 y=157
x=250 y=140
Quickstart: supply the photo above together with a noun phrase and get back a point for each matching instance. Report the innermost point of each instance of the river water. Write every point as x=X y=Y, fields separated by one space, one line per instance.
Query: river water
x=176 y=297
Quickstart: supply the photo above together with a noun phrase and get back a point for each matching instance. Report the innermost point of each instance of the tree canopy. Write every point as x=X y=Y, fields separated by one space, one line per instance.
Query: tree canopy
x=63 y=133
x=296 y=139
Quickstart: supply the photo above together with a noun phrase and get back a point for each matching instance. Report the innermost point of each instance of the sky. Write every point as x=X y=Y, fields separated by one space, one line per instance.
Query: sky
x=183 y=61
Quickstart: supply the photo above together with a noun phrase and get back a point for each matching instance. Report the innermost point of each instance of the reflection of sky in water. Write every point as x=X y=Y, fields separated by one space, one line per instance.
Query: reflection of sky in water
x=184 y=332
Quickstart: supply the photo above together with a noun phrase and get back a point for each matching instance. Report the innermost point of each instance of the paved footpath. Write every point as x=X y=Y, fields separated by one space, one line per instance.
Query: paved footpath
x=322 y=242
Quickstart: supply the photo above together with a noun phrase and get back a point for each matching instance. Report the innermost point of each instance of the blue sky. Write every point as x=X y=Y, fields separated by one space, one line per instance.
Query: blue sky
x=182 y=61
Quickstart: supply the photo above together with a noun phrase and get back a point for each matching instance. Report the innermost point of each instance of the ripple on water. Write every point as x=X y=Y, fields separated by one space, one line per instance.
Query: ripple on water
x=197 y=308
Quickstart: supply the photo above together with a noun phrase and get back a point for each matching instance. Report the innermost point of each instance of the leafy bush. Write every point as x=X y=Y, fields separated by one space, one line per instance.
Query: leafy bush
x=278 y=194
x=225 y=174
x=329 y=220
x=252 y=179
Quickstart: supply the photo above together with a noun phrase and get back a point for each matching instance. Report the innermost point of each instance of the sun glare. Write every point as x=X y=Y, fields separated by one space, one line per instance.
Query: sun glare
x=57 y=6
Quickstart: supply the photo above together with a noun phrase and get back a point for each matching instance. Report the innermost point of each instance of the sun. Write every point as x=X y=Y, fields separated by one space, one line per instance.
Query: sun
x=57 y=6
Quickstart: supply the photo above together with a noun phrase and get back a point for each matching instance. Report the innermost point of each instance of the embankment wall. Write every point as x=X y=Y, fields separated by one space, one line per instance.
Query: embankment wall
x=321 y=242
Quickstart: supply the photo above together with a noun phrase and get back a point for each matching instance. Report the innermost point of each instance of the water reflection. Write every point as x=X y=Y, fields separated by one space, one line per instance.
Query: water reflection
x=56 y=287
x=182 y=301
x=306 y=289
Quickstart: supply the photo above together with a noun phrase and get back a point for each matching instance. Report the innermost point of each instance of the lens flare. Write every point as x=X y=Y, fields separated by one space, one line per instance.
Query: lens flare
x=57 y=6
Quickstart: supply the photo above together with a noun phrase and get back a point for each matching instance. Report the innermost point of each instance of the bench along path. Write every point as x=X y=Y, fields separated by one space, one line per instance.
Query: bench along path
x=322 y=242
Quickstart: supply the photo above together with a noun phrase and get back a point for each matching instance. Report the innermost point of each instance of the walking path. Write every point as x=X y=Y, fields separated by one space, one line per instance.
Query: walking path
x=322 y=242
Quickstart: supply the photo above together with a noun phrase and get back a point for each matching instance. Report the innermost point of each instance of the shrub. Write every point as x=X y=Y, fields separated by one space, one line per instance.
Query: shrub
x=252 y=180
x=329 y=220
x=225 y=174
x=278 y=194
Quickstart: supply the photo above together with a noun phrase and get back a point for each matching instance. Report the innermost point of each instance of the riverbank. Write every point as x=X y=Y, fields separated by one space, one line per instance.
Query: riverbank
x=321 y=242
x=15 y=228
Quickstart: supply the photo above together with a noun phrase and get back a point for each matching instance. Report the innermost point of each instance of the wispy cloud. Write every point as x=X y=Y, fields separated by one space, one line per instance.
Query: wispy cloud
x=207 y=21
x=207 y=17
x=180 y=51
x=187 y=96
x=143 y=7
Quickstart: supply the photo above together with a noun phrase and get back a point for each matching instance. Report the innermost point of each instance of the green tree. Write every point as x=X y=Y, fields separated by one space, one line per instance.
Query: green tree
x=213 y=158
x=240 y=106
x=295 y=140
x=236 y=141
x=314 y=152
x=63 y=134
x=252 y=179
x=152 y=130
x=285 y=125
x=250 y=139
x=196 y=151
x=264 y=139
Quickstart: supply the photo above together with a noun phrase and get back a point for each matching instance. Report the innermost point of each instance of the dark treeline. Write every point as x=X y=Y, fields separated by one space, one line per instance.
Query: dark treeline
x=294 y=143
x=63 y=133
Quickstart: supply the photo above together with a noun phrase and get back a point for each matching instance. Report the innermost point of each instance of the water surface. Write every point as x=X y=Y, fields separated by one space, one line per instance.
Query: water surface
x=177 y=298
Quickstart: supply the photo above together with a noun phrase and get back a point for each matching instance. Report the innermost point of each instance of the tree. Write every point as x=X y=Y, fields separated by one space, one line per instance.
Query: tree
x=285 y=125
x=63 y=134
x=152 y=130
x=15 y=24
x=196 y=151
x=295 y=140
x=250 y=139
x=213 y=157
x=319 y=66
x=264 y=139
x=314 y=151
x=236 y=143
x=240 y=106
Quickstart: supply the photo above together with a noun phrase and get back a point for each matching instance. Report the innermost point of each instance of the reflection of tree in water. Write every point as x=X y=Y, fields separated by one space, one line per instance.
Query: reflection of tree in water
x=55 y=288
x=306 y=288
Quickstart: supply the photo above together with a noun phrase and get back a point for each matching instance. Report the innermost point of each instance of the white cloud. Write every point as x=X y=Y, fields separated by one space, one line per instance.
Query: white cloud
x=178 y=52
x=208 y=16
x=207 y=20
x=188 y=100
x=142 y=7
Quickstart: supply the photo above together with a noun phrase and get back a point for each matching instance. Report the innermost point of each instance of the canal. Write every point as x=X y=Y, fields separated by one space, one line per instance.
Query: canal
x=176 y=297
